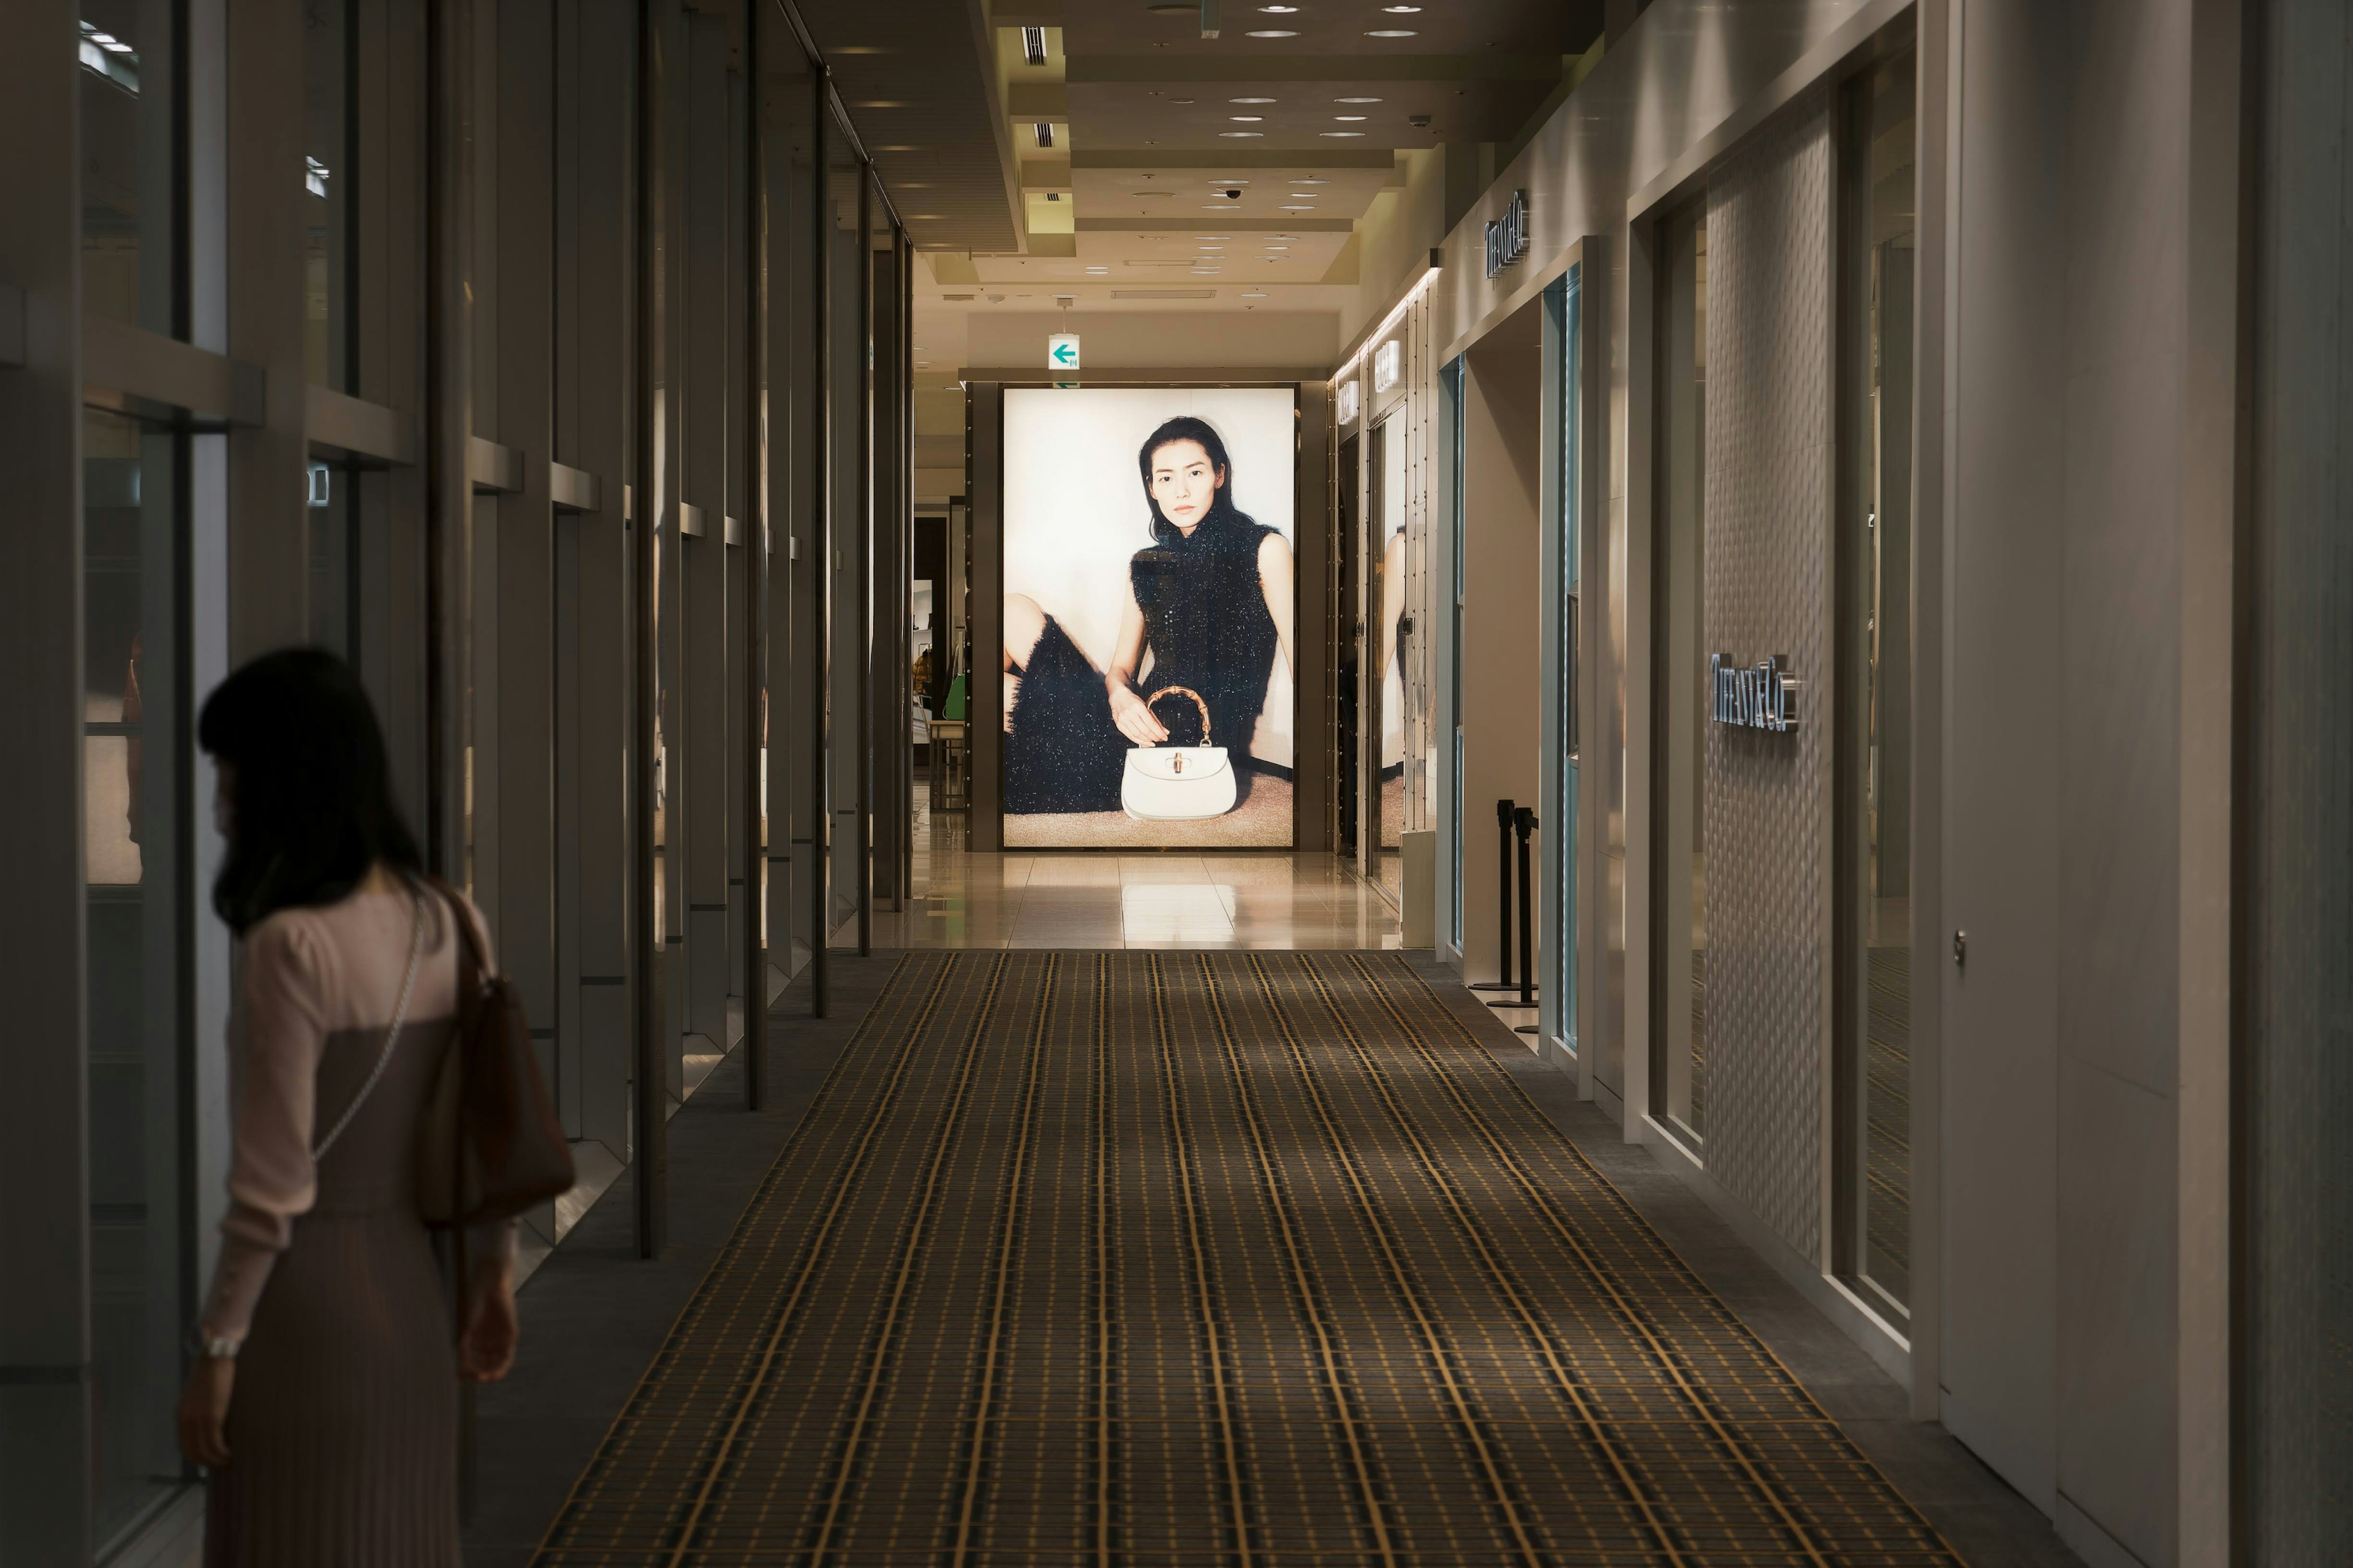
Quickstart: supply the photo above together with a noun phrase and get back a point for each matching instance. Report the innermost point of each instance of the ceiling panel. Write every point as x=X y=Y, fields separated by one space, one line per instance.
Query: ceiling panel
x=919 y=78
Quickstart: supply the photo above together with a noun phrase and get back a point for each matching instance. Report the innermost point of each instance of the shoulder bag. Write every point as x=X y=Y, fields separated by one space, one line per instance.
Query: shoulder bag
x=491 y=1145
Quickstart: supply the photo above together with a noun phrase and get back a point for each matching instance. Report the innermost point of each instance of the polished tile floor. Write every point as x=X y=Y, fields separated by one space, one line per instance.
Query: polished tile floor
x=1093 y=899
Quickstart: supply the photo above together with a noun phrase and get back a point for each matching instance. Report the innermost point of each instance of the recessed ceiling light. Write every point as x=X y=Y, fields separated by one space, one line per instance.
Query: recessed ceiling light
x=1184 y=100
x=1299 y=209
x=1278 y=10
x=1401 y=10
x=1311 y=180
x=1246 y=119
x=1273 y=33
x=1339 y=134
x=1254 y=294
x=1356 y=100
x=1214 y=207
x=1213 y=237
x=1098 y=269
x=1249 y=100
x=1348 y=117
x=1241 y=132
x=1278 y=248
x=1392 y=32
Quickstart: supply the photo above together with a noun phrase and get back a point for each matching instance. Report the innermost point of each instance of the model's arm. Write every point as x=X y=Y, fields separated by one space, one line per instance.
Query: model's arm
x=1274 y=577
x=1130 y=713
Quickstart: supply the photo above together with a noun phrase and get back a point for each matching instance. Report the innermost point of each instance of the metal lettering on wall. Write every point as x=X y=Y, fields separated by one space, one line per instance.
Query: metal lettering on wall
x=1761 y=696
x=1507 y=237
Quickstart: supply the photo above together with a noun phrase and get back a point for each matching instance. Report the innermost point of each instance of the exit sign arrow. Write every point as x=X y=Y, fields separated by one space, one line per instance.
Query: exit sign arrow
x=1062 y=352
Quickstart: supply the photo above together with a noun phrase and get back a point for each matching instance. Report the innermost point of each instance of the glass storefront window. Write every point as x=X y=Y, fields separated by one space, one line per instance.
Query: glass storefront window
x=134 y=823
x=1874 y=719
x=335 y=620
x=1679 y=901
x=327 y=68
x=130 y=159
x=1385 y=557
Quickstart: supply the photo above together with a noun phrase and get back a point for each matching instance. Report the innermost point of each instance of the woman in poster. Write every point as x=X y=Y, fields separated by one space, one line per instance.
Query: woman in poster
x=1209 y=599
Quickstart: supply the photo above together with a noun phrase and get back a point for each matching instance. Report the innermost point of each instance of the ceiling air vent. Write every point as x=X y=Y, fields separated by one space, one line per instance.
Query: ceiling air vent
x=1033 y=45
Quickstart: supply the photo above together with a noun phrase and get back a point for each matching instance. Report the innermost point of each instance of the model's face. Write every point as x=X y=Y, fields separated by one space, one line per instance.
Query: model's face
x=1185 y=482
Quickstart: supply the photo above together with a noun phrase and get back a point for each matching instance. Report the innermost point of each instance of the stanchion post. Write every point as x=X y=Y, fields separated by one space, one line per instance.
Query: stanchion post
x=1524 y=820
x=1504 y=809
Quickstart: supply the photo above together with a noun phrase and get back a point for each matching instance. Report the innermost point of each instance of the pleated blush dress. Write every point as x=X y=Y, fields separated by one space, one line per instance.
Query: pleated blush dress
x=343 y=1424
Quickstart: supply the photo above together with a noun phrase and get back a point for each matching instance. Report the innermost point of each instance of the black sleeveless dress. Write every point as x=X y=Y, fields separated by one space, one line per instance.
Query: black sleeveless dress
x=1207 y=626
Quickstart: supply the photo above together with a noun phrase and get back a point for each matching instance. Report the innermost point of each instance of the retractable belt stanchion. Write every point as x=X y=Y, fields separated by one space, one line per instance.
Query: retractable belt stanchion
x=1502 y=981
x=1524 y=822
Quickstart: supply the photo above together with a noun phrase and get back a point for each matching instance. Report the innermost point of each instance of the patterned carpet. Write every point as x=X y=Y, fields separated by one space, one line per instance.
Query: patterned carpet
x=1179 y=1257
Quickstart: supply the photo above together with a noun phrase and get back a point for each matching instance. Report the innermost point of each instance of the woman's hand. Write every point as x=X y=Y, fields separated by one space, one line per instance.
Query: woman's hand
x=488 y=1350
x=204 y=1411
x=1133 y=716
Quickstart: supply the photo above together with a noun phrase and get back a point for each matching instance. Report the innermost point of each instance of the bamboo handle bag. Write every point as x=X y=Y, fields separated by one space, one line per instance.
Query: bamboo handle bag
x=1178 y=784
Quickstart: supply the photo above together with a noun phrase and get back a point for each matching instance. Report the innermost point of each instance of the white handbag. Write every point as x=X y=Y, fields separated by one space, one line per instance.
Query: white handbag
x=1178 y=784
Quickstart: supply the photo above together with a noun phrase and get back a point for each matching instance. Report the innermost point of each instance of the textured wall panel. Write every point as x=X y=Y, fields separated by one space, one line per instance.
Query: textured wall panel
x=2300 y=1002
x=1768 y=590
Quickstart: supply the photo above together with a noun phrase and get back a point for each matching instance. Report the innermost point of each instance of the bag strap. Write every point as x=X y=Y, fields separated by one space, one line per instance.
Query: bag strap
x=390 y=1037
x=1185 y=691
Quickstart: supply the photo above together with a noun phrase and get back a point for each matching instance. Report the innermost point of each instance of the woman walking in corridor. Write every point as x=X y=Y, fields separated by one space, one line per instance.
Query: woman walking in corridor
x=324 y=1400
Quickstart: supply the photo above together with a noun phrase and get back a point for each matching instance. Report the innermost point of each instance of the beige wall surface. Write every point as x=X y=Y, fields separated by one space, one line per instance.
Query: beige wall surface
x=1502 y=494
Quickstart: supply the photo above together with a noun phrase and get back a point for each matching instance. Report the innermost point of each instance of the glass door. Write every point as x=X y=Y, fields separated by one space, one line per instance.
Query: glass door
x=1678 y=1092
x=135 y=811
x=1450 y=382
x=1562 y=584
x=1346 y=665
x=1874 y=787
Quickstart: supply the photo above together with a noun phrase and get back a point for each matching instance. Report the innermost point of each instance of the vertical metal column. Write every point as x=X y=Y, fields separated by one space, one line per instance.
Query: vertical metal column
x=903 y=460
x=650 y=1176
x=450 y=414
x=821 y=682
x=754 y=846
x=865 y=559
x=45 y=1395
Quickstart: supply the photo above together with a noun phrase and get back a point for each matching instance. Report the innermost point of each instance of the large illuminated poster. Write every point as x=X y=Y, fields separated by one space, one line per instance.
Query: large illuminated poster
x=1148 y=582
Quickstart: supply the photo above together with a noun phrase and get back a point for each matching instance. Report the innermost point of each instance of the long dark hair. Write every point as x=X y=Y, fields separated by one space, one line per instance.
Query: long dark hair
x=313 y=791
x=1185 y=427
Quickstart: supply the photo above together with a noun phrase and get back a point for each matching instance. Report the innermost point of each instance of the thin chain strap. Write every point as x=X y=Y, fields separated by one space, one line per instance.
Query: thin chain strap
x=390 y=1037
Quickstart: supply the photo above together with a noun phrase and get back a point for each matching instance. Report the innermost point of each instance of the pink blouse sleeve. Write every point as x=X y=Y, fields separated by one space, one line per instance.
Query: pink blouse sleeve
x=271 y=1180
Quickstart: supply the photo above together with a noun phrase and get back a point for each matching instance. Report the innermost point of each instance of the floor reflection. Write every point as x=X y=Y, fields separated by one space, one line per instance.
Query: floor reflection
x=1029 y=899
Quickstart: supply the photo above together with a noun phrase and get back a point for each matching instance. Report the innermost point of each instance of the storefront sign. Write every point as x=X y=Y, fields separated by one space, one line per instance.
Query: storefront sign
x=1755 y=696
x=1348 y=401
x=1507 y=237
x=1388 y=365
